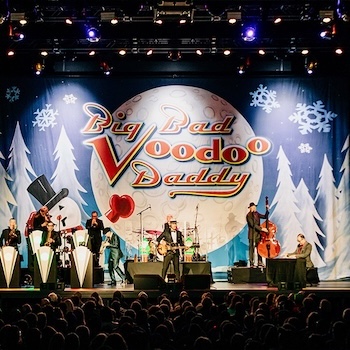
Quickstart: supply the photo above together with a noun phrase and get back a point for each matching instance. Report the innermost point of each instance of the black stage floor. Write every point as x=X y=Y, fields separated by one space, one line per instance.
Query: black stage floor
x=339 y=290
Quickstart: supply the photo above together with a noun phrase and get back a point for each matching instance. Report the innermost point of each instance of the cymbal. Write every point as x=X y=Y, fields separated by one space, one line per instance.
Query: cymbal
x=136 y=231
x=154 y=232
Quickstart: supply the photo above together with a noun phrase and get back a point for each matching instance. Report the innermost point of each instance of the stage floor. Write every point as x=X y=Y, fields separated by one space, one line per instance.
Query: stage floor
x=325 y=289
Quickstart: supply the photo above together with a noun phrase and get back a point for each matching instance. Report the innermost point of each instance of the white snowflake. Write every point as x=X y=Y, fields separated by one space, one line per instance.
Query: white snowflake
x=69 y=99
x=314 y=117
x=12 y=93
x=264 y=98
x=305 y=148
x=45 y=118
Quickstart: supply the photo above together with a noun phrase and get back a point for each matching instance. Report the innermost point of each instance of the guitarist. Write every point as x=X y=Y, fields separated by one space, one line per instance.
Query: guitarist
x=172 y=237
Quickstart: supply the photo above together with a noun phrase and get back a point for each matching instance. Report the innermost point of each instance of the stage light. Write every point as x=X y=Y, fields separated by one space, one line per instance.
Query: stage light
x=339 y=51
x=174 y=55
x=233 y=16
x=10 y=53
x=326 y=16
x=249 y=33
x=262 y=52
x=38 y=68
x=16 y=34
x=149 y=52
x=93 y=34
x=199 y=52
x=122 y=52
x=305 y=52
x=227 y=52
x=329 y=32
x=18 y=17
x=108 y=17
x=44 y=53
x=106 y=68
x=92 y=53
x=69 y=21
x=310 y=67
x=277 y=20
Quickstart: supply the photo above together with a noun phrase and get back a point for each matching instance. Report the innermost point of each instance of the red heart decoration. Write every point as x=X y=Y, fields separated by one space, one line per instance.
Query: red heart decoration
x=120 y=207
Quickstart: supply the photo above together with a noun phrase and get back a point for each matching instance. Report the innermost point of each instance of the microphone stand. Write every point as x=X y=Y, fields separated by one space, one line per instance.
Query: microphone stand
x=141 y=233
x=196 y=236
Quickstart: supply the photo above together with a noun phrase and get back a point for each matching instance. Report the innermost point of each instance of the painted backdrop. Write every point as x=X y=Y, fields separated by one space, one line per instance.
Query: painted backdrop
x=201 y=150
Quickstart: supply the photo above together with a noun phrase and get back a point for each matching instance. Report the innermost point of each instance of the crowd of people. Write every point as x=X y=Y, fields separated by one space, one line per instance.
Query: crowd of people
x=238 y=322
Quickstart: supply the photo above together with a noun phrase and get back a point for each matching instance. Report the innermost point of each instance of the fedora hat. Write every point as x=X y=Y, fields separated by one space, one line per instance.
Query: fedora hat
x=251 y=204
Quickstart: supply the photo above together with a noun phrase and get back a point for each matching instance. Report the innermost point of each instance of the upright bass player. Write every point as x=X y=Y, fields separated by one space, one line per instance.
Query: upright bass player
x=254 y=232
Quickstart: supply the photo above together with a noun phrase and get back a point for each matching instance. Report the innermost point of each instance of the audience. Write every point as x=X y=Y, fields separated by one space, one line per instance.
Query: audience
x=239 y=322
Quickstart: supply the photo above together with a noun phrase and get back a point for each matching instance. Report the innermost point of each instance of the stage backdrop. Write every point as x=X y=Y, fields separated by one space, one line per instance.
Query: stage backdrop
x=201 y=150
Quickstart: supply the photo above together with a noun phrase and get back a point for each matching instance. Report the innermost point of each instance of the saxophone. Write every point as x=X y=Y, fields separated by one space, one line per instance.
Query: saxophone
x=12 y=237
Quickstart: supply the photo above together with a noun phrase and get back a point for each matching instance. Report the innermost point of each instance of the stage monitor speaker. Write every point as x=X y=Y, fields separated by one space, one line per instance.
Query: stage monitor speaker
x=148 y=282
x=48 y=287
x=196 y=282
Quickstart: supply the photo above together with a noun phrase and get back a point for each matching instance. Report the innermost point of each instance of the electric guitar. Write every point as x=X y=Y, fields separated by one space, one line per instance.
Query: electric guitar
x=164 y=248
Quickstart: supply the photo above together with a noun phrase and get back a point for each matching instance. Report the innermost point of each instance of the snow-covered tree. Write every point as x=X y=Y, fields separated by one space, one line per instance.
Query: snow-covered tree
x=64 y=175
x=307 y=218
x=19 y=169
x=285 y=206
x=342 y=236
x=6 y=198
x=325 y=202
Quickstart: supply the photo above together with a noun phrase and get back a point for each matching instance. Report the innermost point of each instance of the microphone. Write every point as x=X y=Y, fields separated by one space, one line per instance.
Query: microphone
x=197 y=206
x=149 y=207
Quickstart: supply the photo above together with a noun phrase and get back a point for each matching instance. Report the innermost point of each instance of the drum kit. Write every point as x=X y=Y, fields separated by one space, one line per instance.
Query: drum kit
x=150 y=251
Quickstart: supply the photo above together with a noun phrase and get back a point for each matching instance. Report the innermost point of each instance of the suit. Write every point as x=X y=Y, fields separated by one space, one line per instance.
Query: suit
x=11 y=241
x=303 y=263
x=254 y=229
x=172 y=255
x=114 y=256
x=95 y=236
x=55 y=236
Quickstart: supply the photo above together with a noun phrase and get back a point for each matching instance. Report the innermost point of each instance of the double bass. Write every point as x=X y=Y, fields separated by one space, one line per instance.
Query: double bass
x=268 y=247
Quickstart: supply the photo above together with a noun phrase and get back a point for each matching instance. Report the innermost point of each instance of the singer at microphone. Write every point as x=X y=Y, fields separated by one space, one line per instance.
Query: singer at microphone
x=41 y=219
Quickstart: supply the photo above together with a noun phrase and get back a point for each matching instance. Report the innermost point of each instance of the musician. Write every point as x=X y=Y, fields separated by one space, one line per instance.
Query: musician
x=95 y=227
x=303 y=255
x=169 y=217
x=50 y=237
x=112 y=242
x=41 y=219
x=11 y=236
x=254 y=232
x=172 y=237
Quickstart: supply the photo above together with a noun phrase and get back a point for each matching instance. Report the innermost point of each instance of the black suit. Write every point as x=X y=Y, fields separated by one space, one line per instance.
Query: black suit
x=12 y=241
x=56 y=239
x=172 y=255
x=95 y=235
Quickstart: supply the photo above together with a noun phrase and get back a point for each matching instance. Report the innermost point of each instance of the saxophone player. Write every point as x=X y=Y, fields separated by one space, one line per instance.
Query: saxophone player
x=51 y=238
x=11 y=236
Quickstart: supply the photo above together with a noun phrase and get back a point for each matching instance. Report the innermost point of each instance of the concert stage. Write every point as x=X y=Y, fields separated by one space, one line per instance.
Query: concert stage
x=339 y=291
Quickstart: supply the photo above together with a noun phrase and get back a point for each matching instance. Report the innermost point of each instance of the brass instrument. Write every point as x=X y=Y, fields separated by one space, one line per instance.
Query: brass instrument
x=12 y=237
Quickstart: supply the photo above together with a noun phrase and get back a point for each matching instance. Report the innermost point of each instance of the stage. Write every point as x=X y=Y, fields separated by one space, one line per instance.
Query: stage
x=339 y=291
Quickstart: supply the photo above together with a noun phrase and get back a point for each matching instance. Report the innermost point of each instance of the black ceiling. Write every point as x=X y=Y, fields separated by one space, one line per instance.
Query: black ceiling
x=207 y=29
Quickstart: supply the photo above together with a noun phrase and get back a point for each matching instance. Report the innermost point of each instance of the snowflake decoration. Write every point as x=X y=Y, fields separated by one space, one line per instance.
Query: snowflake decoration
x=264 y=98
x=314 y=117
x=45 y=118
x=12 y=93
x=69 y=99
x=305 y=148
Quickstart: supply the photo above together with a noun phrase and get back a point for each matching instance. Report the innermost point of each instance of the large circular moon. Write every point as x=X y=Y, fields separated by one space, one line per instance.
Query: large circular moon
x=213 y=219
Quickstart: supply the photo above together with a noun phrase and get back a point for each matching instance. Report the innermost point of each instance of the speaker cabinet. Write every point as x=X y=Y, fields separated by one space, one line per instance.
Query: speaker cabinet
x=196 y=282
x=148 y=282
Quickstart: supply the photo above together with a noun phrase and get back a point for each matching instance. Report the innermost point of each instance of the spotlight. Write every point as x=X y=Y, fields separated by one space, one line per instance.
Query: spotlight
x=93 y=35
x=105 y=68
x=310 y=67
x=16 y=34
x=249 y=33
x=233 y=17
x=38 y=68
x=329 y=32
x=174 y=55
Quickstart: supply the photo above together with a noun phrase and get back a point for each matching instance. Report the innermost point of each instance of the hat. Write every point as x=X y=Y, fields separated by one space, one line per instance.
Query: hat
x=251 y=204
x=173 y=221
x=44 y=193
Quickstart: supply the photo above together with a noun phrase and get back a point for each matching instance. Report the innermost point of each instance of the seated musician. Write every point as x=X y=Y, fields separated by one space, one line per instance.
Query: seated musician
x=171 y=239
x=50 y=237
x=302 y=253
